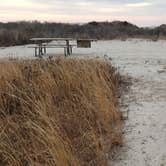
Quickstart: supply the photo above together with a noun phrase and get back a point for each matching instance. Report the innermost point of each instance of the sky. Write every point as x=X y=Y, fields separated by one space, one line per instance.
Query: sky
x=139 y=12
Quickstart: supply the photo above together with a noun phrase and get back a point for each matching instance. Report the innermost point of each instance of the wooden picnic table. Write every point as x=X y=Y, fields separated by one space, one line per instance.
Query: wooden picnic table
x=43 y=43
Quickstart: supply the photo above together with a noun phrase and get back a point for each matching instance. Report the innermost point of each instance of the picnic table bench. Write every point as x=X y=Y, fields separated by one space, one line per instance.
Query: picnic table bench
x=40 y=51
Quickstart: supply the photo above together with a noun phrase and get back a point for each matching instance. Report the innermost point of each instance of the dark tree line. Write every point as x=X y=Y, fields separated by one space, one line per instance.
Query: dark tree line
x=17 y=33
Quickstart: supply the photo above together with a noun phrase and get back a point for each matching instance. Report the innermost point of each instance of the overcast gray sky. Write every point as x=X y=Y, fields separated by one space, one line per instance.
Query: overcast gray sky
x=142 y=13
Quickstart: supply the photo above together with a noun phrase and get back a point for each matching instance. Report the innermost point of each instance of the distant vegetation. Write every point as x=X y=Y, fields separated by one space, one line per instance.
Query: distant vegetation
x=61 y=112
x=16 y=33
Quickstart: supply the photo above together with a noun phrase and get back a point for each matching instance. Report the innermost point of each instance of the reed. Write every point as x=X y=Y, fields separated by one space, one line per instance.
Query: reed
x=58 y=112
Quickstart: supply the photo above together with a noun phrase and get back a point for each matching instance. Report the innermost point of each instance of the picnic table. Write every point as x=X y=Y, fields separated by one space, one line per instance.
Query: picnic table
x=43 y=43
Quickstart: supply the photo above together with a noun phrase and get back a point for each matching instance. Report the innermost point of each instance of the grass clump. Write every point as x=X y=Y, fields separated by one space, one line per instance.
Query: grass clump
x=58 y=112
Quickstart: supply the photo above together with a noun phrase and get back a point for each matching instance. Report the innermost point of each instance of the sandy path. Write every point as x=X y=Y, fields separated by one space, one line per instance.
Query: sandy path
x=145 y=129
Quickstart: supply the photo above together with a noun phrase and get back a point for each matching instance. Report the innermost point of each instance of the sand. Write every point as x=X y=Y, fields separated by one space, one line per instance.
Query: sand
x=145 y=62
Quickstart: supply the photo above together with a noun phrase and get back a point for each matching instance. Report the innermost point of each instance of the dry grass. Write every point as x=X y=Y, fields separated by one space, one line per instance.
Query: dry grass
x=58 y=112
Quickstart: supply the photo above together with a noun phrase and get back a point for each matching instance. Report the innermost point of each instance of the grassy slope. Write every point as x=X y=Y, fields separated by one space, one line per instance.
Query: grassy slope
x=58 y=112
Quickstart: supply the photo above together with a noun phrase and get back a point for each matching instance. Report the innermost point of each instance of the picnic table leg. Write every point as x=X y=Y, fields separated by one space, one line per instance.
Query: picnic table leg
x=35 y=51
x=68 y=47
x=65 y=51
x=39 y=50
x=71 y=51
x=42 y=47
x=45 y=50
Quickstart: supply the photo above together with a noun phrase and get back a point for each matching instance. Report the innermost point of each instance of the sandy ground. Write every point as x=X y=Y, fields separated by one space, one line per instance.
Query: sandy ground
x=145 y=129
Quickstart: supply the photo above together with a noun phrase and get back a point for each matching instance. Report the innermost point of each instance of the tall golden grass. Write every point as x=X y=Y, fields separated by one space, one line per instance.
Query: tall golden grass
x=58 y=112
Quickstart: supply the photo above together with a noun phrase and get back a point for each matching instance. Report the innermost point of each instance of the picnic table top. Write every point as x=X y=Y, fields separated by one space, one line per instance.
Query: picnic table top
x=59 y=39
x=49 y=39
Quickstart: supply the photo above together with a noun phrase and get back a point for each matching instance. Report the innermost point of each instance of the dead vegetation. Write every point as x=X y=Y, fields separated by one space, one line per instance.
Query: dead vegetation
x=58 y=112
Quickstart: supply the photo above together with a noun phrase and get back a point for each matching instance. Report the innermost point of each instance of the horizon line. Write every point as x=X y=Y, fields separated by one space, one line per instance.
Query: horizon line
x=79 y=23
